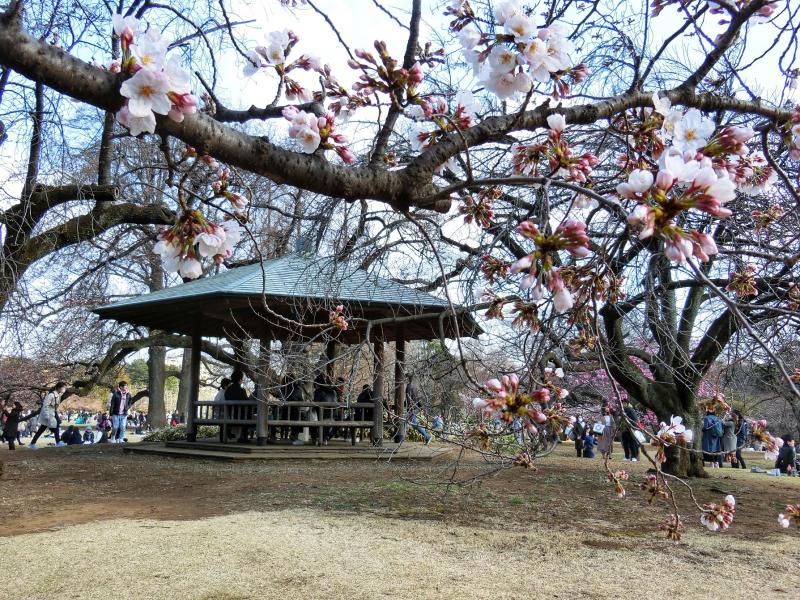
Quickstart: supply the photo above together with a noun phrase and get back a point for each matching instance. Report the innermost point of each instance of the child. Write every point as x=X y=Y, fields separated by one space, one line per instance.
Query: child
x=589 y=442
x=13 y=419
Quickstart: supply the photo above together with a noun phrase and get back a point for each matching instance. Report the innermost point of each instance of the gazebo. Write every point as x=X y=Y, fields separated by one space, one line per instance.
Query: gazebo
x=290 y=298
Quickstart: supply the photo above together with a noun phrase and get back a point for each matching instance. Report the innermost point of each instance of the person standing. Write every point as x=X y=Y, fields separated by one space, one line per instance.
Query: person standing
x=630 y=445
x=11 y=426
x=118 y=409
x=48 y=415
x=579 y=432
x=742 y=431
x=589 y=442
x=785 y=462
x=605 y=444
x=729 y=438
x=713 y=431
x=414 y=400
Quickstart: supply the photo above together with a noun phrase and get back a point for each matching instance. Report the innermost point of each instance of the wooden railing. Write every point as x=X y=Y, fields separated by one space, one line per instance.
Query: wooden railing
x=356 y=415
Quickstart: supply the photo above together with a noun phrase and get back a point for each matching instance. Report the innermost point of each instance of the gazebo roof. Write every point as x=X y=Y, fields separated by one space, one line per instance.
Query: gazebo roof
x=300 y=287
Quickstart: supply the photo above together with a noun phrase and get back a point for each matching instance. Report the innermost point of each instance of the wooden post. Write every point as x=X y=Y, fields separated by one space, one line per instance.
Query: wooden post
x=378 y=392
x=194 y=388
x=262 y=428
x=400 y=384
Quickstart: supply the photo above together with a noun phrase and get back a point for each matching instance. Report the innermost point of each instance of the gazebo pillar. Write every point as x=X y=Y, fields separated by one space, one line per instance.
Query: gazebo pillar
x=400 y=384
x=378 y=391
x=194 y=388
x=331 y=350
x=262 y=374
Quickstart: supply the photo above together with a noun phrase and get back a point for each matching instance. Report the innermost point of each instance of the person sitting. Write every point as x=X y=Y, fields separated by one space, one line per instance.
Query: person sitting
x=105 y=436
x=786 y=456
x=88 y=436
x=72 y=436
x=236 y=392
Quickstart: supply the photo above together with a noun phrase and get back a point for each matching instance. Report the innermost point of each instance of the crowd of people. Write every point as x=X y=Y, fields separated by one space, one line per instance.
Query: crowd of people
x=723 y=438
x=82 y=426
x=323 y=391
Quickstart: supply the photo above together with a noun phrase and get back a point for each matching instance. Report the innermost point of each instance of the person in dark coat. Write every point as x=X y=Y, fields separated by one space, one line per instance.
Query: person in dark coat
x=88 y=436
x=11 y=427
x=72 y=436
x=630 y=445
x=742 y=431
x=589 y=442
x=579 y=432
x=118 y=408
x=786 y=456
x=236 y=392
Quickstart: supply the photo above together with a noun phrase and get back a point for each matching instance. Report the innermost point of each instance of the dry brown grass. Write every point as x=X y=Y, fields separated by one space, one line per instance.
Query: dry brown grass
x=311 y=554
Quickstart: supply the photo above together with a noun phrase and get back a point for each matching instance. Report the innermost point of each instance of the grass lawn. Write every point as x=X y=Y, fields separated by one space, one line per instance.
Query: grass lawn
x=90 y=522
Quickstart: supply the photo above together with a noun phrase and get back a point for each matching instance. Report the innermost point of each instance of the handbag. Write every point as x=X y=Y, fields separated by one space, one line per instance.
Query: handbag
x=640 y=437
x=598 y=428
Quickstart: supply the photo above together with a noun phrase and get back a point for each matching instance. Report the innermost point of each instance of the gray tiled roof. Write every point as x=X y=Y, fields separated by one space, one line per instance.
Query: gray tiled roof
x=294 y=276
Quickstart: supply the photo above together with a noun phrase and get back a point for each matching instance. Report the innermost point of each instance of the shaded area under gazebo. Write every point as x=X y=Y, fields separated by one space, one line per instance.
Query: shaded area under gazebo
x=290 y=299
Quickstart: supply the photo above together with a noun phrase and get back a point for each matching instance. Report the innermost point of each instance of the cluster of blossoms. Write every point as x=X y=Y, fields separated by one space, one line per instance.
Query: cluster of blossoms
x=653 y=487
x=336 y=318
x=436 y=110
x=492 y=268
x=556 y=151
x=274 y=56
x=384 y=74
x=764 y=219
x=718 y=517
x=760 y=433
x=697 y=169
x=617 y=477
x=312 y=132
x=156 y=85
x=669 y=435
x=480 y=210
x=508 y=402
x=743 y=283
x=791 y=515
x=509 y=61
x=220 y=187
x=716 y=403
x=183 y=245
x=570 y=236
x=673 y=526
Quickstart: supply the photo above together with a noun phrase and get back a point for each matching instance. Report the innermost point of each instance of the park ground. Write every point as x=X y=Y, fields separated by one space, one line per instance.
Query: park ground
x=92 y=522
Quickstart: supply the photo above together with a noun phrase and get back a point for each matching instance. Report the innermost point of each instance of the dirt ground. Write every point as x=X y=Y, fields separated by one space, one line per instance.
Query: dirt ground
x=364 y=529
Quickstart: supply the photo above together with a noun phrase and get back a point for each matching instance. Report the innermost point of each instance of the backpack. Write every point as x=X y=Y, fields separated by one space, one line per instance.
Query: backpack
x=717 y=430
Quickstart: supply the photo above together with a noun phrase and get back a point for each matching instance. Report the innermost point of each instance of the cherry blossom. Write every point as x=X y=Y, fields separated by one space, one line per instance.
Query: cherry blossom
x=792 y=515
x=692 y=131
x=336 y=318
x=147 y=93
x=150 y=50
x=718 y=517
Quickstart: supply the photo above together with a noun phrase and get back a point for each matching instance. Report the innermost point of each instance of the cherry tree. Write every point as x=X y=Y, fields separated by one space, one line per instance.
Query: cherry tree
x=620 y=179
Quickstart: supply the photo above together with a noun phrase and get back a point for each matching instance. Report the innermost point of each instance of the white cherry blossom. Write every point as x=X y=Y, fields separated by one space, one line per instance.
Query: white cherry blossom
x=692 y=131
x=147 y=93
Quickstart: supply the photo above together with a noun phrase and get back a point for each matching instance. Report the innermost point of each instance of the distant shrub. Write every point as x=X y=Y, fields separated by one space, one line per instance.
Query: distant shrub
x=171 y=434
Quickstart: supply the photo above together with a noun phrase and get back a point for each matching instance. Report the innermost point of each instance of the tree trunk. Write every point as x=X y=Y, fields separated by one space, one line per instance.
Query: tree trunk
x=184 y=385
x=156 y=354
x=682 y=463
x=156 y=376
